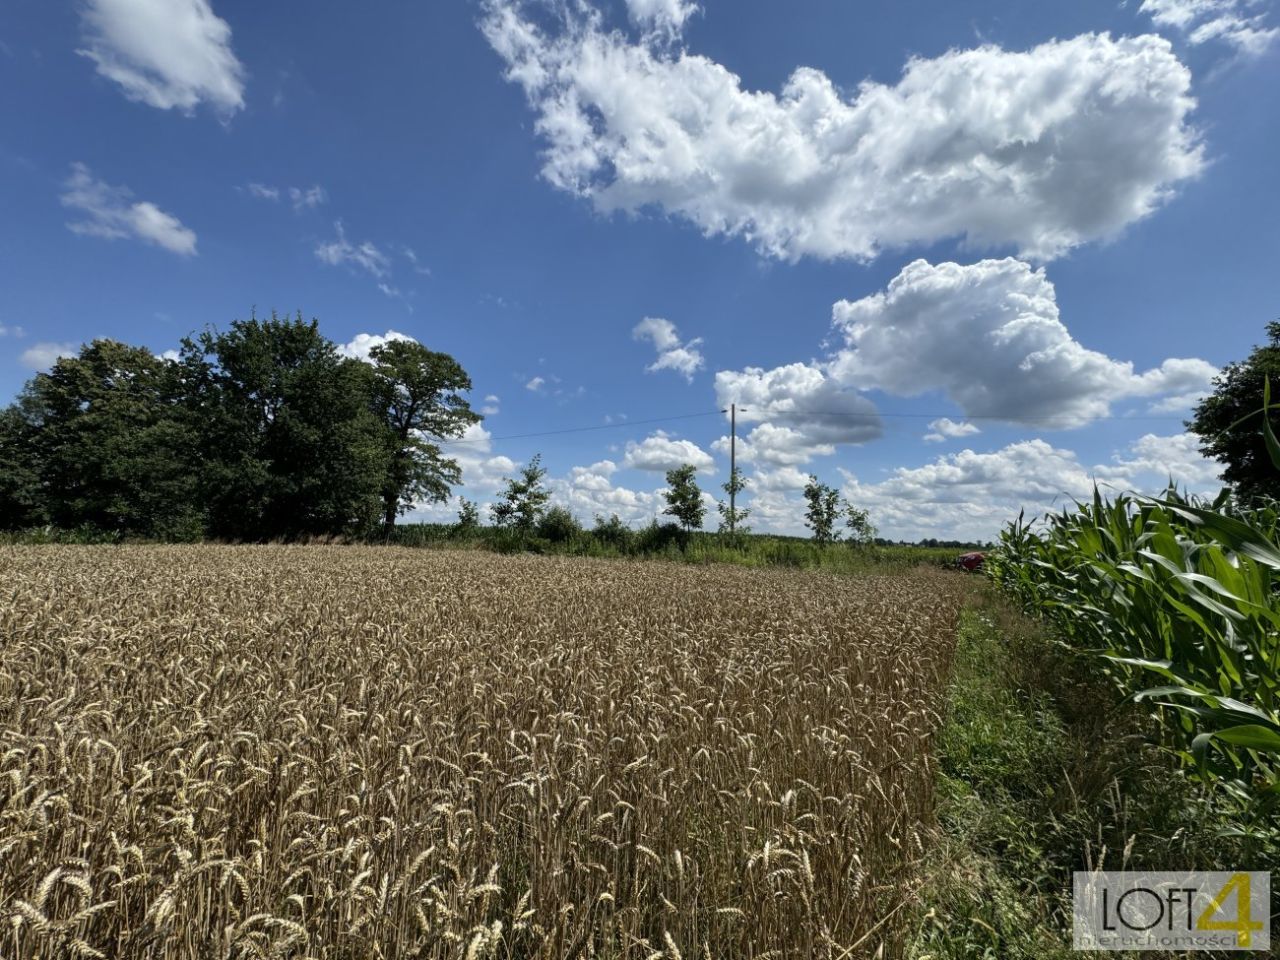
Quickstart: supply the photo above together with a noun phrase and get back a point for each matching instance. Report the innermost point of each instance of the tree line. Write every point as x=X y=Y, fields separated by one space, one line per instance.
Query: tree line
x=265 y=431
x=521 y=507
x=260 y=431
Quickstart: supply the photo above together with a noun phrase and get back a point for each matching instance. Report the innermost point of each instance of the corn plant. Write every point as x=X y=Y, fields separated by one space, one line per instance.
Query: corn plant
x=1179 y=596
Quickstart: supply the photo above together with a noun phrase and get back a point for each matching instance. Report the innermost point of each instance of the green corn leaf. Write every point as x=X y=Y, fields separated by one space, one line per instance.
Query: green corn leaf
x=1273 y=446
x=1161 y=667
x=1251 y=735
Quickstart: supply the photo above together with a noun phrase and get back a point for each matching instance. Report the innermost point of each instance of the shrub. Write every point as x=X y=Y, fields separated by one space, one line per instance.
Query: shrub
x=613 y=532
x=659 y=538
x=558 y=525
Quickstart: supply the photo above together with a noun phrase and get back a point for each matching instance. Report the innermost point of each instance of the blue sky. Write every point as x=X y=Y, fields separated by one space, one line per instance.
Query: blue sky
x=1047 y=223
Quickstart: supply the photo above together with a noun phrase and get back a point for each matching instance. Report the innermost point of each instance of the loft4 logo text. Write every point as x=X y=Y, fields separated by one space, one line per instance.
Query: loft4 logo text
x=1195 y=910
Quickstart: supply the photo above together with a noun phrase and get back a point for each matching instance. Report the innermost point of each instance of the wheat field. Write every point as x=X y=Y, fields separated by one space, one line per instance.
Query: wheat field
x=347 y=752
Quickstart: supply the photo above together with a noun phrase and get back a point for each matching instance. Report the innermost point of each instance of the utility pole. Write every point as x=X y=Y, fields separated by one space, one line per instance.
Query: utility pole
x=733 y=466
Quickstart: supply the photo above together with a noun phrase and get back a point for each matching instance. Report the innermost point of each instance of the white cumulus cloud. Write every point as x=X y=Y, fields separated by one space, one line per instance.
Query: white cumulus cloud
x=660 y=453
x=1039 y=150
x=588 y=492
x=801 y=413
x=482 y=470
x=683 y=357
x=361 y=345
x=1176 y=457
x=990 y=336
x=42 y=356
x=971 y=495
x=945 y=428
x=663 y=17
x=112 y=214
x=165 y=53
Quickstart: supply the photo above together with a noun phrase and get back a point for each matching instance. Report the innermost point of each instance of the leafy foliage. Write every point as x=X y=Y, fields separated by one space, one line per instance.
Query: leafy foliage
x=1044 y=770
x=861 y=530
x=558 y=525
x=468 y=514
x=261 y=431
x=290 y=443
x=1178 y=596
x=418 y=394
x=822 y=512
x=1226 y=421
x=613 y=532
x=522 y=503
x=684 y=497
x=732 y=517
x=21 y=499
x=100 y=441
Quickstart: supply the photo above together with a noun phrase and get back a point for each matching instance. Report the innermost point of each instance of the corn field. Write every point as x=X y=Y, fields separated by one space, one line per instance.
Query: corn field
x=1180 y=598
x=351 y=752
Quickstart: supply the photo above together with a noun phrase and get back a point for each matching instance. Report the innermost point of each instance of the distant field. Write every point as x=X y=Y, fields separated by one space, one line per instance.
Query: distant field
x=349 y=752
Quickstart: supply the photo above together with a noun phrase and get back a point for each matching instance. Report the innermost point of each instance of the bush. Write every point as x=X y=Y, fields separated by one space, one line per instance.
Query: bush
x=614 y=533
x=558 y=525
x=660 y=538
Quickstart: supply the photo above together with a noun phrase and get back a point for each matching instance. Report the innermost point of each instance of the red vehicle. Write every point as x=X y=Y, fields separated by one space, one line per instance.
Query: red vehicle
x=970 y=561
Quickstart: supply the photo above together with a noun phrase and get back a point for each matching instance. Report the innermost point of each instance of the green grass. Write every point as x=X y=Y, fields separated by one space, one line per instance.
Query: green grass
x=1044 y=770
x=665 y=542
x=655 y=542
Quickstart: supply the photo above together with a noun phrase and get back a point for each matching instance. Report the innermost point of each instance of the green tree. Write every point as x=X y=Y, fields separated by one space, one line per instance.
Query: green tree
x=290 y=441
x=1228 y=422
x=522 y=503
x=418 y=394
x=468 y=514
x=861 y=530
x=732 y=516
x=684 y=498
x=22 y=498
x=103 y=437
x=822 y=511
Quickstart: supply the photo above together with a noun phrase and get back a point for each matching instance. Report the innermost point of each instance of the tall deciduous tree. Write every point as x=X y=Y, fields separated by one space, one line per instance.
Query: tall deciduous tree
x=22 y=499
x=523 y=501
x=1225 y=433
x=684 y=498
x=291 y=445
x=418 y=394
x=102 y=435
